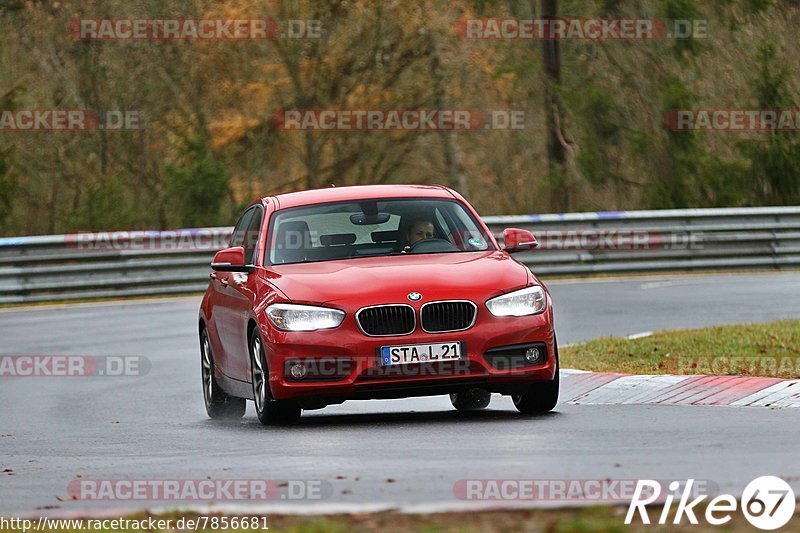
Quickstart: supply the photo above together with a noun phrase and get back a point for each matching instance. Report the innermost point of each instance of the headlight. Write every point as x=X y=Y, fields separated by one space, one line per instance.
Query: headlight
x=524 y=302
x=292 y=317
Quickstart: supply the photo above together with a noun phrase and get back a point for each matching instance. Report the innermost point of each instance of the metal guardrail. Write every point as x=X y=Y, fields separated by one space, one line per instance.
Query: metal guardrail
x=66 y=267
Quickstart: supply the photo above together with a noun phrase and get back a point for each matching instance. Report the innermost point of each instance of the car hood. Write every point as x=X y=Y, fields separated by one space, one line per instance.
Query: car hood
x=380 y=280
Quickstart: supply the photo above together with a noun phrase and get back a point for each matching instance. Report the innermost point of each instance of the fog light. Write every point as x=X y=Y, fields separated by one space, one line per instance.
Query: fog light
x=532 y=355
x=298 y=371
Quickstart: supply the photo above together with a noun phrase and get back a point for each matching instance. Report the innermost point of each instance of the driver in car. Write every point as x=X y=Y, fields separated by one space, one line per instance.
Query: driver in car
x=418 y=231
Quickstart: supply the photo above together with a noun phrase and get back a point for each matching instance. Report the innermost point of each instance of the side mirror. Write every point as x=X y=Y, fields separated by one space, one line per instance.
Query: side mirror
x=518 y=240
x=231 y=260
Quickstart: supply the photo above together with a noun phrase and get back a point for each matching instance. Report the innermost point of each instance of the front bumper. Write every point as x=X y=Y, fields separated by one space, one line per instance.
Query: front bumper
x=349 y=367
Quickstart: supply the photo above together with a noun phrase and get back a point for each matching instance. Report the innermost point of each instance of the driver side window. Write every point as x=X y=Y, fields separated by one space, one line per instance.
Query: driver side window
x=251 y=236
x=240 y=230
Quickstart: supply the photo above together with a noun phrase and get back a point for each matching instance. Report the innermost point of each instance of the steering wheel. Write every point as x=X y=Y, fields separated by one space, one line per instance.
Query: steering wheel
x=432 y=245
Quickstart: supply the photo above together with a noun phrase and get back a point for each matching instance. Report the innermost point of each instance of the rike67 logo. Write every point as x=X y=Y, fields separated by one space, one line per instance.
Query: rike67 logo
x=768 y=503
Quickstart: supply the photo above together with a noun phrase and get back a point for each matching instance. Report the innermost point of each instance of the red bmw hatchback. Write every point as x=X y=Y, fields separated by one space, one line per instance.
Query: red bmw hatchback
x=369 y=292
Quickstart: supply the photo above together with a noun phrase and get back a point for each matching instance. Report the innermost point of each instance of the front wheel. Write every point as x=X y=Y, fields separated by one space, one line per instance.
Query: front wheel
x=270 y=412
x=219 y=404
x=540 y=397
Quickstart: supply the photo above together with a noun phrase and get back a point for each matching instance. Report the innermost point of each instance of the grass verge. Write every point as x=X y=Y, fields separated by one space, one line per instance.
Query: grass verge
x=771 y=350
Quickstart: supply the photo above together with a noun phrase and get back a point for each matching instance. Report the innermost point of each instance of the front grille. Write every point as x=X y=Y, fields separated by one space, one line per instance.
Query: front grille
x=387 y=320
x=438 y=317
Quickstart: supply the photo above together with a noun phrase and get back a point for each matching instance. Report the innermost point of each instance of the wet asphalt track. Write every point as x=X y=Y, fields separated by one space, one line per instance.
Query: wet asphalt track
x=54 y=429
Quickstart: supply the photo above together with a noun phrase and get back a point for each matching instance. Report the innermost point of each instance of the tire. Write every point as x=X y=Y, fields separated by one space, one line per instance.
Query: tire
x=541 y=397
x=270 y=412
x=219 y=404
x=471 y=399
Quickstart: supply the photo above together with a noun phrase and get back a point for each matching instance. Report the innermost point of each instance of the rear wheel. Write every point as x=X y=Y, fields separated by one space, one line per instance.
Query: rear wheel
x=270 y=412
x=219 y=404
x=471 y=399
x=541 y=397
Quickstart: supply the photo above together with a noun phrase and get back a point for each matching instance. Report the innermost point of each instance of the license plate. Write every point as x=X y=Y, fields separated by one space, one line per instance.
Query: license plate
x=420 y=353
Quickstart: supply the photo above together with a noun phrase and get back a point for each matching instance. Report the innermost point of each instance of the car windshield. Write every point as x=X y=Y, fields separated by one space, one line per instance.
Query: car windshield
x=369 y=228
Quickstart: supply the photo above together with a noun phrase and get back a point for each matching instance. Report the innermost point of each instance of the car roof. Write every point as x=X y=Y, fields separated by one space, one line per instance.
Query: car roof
x=360 y=192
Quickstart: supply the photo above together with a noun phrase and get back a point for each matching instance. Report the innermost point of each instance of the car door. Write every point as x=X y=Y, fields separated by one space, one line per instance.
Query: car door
x=223 y=300
x=242 y=288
